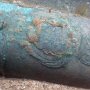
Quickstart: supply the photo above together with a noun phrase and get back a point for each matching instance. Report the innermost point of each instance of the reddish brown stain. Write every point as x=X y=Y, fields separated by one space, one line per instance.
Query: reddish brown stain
x=37 y=22
x=33 y=38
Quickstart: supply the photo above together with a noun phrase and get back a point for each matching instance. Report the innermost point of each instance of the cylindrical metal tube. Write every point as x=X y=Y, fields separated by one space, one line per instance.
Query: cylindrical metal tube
x=35 y=41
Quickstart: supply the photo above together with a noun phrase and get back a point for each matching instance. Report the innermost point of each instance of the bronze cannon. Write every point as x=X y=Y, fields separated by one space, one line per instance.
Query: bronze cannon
x=48 y=44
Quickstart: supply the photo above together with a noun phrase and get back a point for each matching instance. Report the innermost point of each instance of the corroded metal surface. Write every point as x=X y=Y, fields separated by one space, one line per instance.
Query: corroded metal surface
x=53 y=39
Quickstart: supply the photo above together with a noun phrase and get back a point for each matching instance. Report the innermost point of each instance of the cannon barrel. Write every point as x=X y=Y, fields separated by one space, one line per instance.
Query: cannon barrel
x=37 y=42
